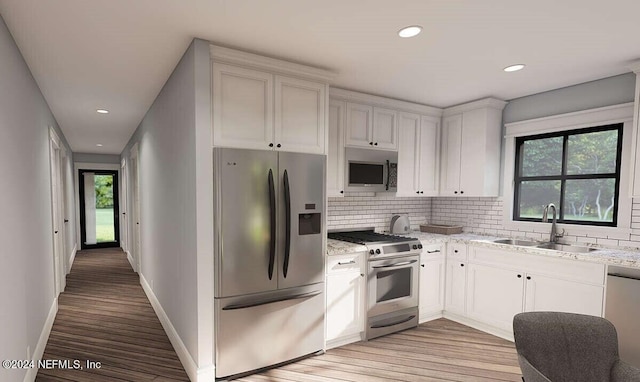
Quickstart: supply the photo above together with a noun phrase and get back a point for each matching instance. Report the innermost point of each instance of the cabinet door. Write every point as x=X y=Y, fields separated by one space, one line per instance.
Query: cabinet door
x=429 y=156
x=472 y=152
x=450 y=165
x=345 y=304
x=299 y=115
x=456 y=279
x=432 y=275
x=545 y=293
x=408 y=155
x=385 y=128
x=335 y=149
x=242 y=107
x=359 y=125
x=494 y=295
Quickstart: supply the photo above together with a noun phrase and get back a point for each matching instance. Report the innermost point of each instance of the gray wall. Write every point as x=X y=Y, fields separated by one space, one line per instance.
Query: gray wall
x=589 y=95
x=26 y=274
x=175 y=175
x=96 y=158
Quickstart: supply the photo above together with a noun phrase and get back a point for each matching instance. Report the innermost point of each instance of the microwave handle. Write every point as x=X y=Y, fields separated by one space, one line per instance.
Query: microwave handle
x=388 y=175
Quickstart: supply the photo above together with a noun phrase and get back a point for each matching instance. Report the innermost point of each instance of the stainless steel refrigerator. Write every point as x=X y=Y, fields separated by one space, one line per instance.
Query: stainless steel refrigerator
x=269 y=239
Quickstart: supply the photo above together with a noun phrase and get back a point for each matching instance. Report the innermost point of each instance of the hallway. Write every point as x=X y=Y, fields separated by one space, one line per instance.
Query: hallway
x=104 y=316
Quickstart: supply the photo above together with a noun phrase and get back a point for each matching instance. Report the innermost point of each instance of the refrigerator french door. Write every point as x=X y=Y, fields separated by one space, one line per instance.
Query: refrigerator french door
x=269 y=234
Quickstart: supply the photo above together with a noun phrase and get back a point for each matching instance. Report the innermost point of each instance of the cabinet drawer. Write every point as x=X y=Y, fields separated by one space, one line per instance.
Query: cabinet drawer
x=432 y=251
x=344 y=263
x=573 y=270
x=457 y=252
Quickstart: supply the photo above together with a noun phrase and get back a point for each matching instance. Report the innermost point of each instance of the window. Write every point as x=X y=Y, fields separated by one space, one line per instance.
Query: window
x=577 y=170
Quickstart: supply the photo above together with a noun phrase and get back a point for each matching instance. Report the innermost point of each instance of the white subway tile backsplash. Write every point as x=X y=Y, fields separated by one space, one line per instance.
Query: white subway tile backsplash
x=359 y=210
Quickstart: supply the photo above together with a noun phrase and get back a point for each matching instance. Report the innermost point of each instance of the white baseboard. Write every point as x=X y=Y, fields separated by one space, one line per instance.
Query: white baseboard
x=130 y=259
x=341 y=341
x=430 y=317
x=479 y=325
x=190 y=366
x=72 y=257
x=42 y=341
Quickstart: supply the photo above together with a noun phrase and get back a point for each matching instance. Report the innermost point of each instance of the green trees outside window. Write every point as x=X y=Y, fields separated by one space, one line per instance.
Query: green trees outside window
x=577 y=170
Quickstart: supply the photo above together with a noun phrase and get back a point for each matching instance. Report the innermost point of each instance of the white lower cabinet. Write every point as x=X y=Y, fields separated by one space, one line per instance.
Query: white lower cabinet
x=432 y=276
x=494 y=295
x=502 y=283
x=345 y=284
x=553 y=294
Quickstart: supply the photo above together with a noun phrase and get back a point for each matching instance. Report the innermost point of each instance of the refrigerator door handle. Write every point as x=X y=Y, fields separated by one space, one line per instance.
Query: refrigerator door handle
x=272 y=211
x=287 y=205
x=271 y=301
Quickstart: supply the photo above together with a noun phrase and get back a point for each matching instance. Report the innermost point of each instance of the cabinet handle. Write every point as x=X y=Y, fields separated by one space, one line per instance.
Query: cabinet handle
x=422 y=192
x=528 y=277
x=422 y=265
x=455 y=192
x=347 y=263
x=342 y=192
x=278 y=145
x=519 y=276
x=270 y=144
x=434 y=251
x=375 y=144
x=462 y=192
x=455 y=251
x=371 y=143
x=462 y=265
x=361 y=274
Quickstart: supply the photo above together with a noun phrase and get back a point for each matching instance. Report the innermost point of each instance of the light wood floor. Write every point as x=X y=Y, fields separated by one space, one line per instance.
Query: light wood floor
x=105 y=316
x=439 y=350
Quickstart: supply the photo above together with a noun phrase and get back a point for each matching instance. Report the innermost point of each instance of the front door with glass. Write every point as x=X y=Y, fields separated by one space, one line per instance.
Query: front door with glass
x=99 y=225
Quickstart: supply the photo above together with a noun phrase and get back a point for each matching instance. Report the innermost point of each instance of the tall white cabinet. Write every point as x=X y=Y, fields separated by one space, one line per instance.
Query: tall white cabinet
x=470 y=156
x=268 y=104
x=418 y=155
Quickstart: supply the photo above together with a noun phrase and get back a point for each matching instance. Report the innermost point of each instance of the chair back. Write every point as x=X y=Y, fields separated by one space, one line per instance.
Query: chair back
x=566 y=347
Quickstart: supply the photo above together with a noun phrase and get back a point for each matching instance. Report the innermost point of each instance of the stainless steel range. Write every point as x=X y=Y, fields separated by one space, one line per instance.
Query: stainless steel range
x=392 y=279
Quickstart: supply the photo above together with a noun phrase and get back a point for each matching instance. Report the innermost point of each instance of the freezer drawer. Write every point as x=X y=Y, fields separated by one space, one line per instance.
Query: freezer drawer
x=257 y=331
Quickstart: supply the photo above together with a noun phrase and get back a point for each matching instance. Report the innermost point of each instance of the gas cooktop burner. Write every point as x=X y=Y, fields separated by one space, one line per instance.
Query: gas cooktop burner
x=368 y=237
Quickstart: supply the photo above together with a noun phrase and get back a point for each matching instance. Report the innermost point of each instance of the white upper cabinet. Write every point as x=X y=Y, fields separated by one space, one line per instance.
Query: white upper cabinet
x=418 y=155
x=264 y=103
x=359 y=125
x=385 y=129
x=372 y=127
x=243 y=107
x=471 y=141
x=335 y=149
x=299 y=115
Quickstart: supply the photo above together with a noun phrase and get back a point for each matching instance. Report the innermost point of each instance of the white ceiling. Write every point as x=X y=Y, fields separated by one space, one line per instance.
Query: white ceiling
x=117 y=54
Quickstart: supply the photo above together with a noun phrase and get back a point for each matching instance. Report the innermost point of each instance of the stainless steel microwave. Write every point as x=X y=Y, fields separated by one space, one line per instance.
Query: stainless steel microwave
x=371 y=170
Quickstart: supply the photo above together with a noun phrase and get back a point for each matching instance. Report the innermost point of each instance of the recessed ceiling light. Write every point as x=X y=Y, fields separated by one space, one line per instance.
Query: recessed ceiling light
x=99 y=144
x=102 y=111
x=410 y=31
x=514 y=68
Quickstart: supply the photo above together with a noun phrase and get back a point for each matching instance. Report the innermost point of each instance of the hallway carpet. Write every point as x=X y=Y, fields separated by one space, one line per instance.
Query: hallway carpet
x=104 y=316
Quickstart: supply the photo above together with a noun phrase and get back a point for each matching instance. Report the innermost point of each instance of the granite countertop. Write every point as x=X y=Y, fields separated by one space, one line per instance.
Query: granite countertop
x=620 y=257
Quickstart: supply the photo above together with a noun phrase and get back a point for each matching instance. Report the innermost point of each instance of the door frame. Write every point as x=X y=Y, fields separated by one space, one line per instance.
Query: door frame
x=116 y=209
x=88 y=166
x=56 y=154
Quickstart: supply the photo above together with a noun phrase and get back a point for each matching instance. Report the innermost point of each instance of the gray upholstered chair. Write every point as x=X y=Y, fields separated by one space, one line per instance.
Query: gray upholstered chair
x=566 y=347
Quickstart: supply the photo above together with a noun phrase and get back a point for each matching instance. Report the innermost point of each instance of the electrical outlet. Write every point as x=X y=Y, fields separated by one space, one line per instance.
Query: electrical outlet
x=28 y=352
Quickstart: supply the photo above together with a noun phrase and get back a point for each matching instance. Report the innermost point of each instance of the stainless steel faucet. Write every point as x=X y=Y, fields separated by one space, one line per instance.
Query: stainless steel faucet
x=553 y=236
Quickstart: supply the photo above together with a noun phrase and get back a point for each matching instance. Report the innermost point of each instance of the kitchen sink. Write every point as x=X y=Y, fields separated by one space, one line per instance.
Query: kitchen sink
x=566 y=247
x=522 y=243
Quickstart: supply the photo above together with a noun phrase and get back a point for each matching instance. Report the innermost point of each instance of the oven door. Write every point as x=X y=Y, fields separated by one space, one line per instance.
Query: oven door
x=392 y=284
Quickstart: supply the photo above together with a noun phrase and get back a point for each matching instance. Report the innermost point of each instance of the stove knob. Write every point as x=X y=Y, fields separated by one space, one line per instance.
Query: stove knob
x=415 y=246
x=378 y=251
x=419 y=246
x=371 y=252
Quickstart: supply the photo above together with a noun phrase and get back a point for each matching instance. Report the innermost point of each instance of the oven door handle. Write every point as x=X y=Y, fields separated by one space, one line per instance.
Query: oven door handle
x=395 y=265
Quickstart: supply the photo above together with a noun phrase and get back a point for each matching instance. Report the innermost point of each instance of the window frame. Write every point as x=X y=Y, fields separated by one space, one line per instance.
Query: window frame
x=564 y=177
